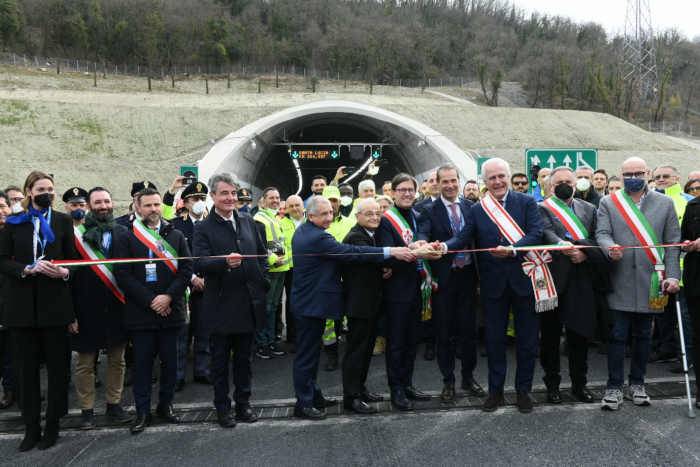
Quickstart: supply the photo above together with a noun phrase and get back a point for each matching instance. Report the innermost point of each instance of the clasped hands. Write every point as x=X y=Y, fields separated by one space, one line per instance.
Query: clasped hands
x=47 y=268
x=161 y=304
x=575 y=254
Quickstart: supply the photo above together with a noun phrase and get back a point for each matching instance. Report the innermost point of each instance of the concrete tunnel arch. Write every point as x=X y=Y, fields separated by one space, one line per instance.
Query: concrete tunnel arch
x=243 y=152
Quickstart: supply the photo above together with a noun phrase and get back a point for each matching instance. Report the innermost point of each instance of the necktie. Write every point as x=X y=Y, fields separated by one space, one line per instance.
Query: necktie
x=459 y=259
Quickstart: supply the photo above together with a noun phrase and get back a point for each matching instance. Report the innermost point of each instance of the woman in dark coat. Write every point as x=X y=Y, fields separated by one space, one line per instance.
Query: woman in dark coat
x=39 y=308
x=690 y=231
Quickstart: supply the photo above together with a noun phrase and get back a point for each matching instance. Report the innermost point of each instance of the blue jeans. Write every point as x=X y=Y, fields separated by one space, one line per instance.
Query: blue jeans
x=266 y=336
x=624 y=323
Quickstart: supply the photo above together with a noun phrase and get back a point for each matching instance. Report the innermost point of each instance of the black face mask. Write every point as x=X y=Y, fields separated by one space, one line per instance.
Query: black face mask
x=78 y=214
x=43 y=200
x=563 y=191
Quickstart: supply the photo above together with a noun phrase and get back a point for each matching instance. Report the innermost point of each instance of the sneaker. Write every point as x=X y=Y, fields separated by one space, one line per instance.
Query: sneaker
x=612 y=400
x=639 y=396
x=276 y=351
x=263 y=352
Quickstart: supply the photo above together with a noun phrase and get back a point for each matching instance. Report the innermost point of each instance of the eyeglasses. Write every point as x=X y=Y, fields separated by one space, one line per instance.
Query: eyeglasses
x=693 y=189
x=660 y=176
x=520 y=183
x=633 y=174
x=405 y=191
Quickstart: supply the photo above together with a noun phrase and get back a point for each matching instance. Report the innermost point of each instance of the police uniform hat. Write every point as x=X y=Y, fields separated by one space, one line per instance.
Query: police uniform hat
x=75 y=195
x=139 y=186
x=244 y=195
x=195 y=189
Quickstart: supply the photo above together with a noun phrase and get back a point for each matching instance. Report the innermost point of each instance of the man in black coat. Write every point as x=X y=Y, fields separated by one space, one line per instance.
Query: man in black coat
x=569 y=219
x=363 y=297
x=233 y=306
x=155 y=302
x=194 y=197
x=454 y=310
x=99 y=310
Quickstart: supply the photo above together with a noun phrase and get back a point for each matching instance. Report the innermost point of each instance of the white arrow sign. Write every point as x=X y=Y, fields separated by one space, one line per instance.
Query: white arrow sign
x=551 y=161
x=534 y=160
x=580 y=162
x=567 y=161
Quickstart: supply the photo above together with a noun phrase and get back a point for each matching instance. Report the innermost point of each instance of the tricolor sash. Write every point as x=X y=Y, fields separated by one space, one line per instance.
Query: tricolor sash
x=156 y=244
x=641 y=229
x=428 y=284
x=535 y=266
x=103 y=271
x=567 y=217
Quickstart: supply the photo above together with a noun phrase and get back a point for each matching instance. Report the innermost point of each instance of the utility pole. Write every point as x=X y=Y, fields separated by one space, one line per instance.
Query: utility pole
x=639 y=52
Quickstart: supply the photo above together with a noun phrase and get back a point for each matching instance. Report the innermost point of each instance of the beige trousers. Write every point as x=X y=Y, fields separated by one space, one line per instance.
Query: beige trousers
x=85 y=377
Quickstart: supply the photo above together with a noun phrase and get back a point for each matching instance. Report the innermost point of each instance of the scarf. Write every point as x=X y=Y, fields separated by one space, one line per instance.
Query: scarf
x=29 y=216
x=96 y=228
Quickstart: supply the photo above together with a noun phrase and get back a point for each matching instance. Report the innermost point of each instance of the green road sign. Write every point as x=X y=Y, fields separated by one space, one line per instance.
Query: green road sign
x=479 y=162
x=551 y=158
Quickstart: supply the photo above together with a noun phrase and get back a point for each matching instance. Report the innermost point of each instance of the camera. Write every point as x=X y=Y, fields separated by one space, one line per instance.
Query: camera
x=276 y=247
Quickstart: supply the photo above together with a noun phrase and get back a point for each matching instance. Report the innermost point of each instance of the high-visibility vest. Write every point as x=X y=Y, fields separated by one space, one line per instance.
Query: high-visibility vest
x=273 y=232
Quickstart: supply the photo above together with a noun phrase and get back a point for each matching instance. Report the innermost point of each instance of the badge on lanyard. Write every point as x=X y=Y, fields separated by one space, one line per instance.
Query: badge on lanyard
x=151 y=274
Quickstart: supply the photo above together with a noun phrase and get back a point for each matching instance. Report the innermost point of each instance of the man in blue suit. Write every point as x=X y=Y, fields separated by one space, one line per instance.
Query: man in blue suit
x=453 y=305
x=504 y=285
x=317 y=295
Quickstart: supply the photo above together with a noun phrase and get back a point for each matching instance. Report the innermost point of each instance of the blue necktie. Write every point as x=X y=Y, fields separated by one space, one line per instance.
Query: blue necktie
x=459 y=259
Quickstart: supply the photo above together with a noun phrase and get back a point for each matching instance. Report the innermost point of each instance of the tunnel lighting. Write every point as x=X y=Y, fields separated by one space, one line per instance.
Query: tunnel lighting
x=300 y=178
x=360 y=170
x=253 y=144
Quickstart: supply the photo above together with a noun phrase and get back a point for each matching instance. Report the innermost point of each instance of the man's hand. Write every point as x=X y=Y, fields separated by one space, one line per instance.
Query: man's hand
x=577 y=256
x=197 y=283
x=615 y=252
x=386 y=273
x=340 y=173
x=688 y=246
x=49 y=269
x=417 y=244
x=73 y=327
x=503 y=251
x=429 y=251
x=161 y=304
x=403 y=254
x=178 y=183
x=234 y=260
x=670 y=285
x=569 y=251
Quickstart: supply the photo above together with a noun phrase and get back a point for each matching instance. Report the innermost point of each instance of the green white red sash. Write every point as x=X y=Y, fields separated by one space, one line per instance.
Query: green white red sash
x=428 y=284
x=535 y=266
x=156 y=244
x=567 y=217
x=103 y=271
x=641 y=229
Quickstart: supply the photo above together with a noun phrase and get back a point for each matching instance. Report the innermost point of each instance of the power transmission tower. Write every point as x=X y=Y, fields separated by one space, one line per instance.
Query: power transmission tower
x=639 y=51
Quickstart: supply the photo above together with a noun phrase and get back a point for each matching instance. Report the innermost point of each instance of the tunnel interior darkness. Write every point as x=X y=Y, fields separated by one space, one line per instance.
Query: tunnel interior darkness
x=277 y=168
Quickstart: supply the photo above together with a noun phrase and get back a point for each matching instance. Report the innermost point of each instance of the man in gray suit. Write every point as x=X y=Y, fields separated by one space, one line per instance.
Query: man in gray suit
x=636 y=216
x=569 y=220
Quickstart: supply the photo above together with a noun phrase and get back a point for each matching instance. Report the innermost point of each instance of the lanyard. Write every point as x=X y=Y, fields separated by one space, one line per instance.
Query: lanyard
x=37 y=239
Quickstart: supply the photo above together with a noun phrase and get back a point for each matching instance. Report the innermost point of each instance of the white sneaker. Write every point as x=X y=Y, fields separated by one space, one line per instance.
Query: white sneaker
x=639 y=396
x=612 y=400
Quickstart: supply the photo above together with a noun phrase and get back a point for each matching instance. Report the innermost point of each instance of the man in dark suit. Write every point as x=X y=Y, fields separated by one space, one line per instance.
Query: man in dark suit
x=233 y=307
x=362 y=307
x=194 y=197
x=571 y=220
x=504 y=285
x=454 y=312
x=317 y=295
x=155 y=302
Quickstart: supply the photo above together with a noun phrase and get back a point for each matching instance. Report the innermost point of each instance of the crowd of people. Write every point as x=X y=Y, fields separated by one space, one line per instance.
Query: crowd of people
x=202 y=267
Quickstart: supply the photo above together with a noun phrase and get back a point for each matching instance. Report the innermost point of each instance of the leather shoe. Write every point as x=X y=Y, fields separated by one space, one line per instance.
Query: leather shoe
x=429 y=353
x=359 y=406
x=371 y=397
x=416 y=395
x=49 y=437
x=400 y=401
x=321 y=402
x=582 y=395
x=492 y=402
x=524 y=402
x=165 y=412
x=309 y=413
x=554 y=396
x=473 y=388
x=245 y=414
x=448 y=393
x=140 y=423
x=225 y=419
x=31 y=437
x=202 y=379
x=116 y=414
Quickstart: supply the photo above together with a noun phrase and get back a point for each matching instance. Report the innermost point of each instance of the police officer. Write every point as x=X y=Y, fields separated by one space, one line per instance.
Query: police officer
x=194 y=197
x=75 y=199
x=155 y=308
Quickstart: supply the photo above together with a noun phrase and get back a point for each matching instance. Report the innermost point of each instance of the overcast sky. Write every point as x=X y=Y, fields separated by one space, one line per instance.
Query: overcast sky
x=683 y=15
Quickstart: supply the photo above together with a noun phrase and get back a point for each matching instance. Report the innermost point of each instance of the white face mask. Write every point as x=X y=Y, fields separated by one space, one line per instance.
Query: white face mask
x=583 y=184
x=17 y=208
x=345 y=201
x=199 y=207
